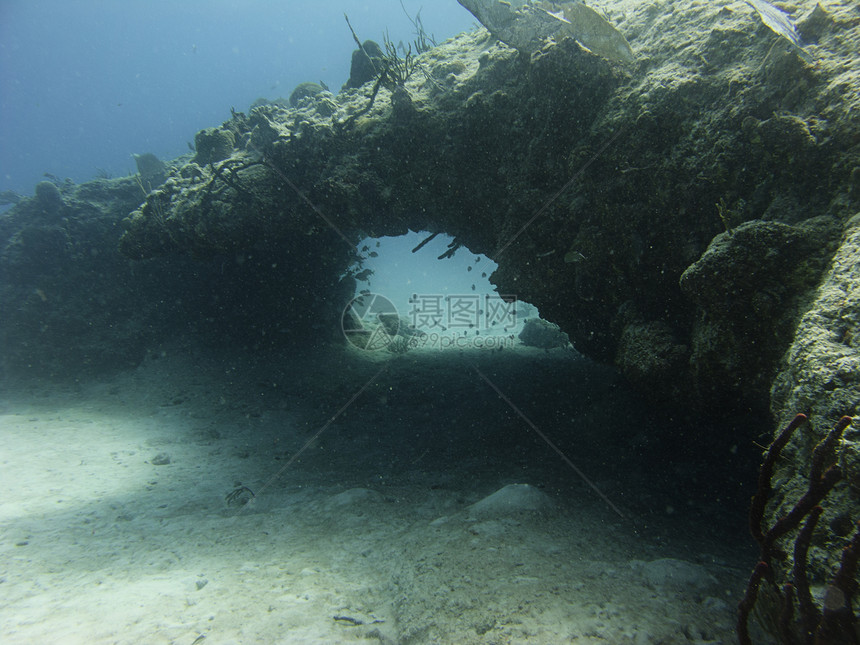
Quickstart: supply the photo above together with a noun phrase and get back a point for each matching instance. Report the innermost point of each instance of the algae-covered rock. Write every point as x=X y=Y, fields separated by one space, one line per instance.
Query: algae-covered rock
x=48 y=198
x=70 y=301
x=151 y=169
x=651 y=357
x=537 y=332
x=304 y=90
x=749 y=286
x=72 y=304
x=365 y=65
x=820 y=376
x=816 y=24
x=280 y=102
x=9 y=197
x=213 y=145
x=821 y=371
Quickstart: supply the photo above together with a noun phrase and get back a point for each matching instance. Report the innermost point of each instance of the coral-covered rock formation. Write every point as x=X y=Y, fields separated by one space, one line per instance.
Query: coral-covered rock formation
x=750 y=286
x=72 y=304
x=820 y=374
x=595 y=185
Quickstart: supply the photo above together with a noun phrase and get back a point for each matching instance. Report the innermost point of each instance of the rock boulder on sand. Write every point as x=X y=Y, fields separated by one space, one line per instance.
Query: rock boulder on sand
x=512 y=499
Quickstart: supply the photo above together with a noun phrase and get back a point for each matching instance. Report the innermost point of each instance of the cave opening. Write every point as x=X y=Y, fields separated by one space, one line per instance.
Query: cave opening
x=442 y=296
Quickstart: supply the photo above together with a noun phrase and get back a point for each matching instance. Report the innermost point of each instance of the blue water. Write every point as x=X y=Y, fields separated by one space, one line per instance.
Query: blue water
x=84 y=84
x=400 y=275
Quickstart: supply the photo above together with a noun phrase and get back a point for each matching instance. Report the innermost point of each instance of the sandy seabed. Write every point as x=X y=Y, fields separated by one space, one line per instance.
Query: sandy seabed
x=411 y=516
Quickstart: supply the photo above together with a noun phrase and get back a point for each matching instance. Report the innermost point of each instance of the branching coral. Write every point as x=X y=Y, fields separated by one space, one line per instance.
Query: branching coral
x=836 y=624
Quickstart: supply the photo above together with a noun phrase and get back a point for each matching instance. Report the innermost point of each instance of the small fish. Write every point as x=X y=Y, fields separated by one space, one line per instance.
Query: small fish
x=364 y=275
x=373 y=254
x=468 y=268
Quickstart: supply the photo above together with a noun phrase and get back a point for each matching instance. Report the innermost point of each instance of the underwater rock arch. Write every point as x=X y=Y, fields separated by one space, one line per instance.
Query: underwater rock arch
x=439 y=154
x=595 y=185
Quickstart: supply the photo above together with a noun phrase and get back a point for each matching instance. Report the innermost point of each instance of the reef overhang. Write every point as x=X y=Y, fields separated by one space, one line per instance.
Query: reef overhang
x=594 y=184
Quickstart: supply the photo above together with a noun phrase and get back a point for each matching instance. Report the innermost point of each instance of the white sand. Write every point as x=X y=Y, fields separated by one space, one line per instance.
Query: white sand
x=370 y=535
